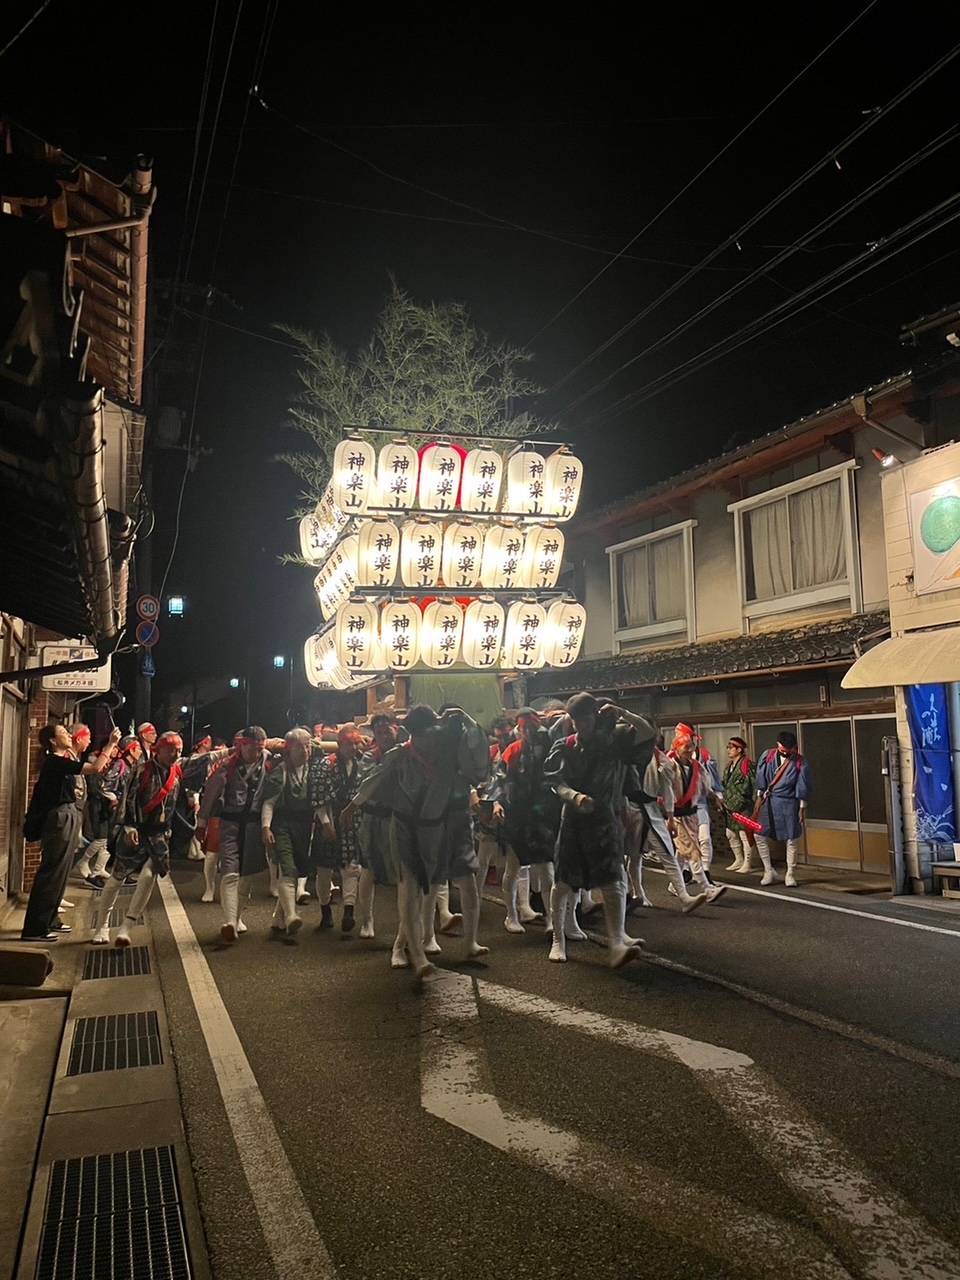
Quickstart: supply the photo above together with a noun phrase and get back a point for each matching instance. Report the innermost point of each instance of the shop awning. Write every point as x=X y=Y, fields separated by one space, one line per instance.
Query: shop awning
x=922 y=657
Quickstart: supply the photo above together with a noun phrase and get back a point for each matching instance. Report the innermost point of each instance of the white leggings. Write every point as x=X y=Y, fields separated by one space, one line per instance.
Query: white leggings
x=349 y=882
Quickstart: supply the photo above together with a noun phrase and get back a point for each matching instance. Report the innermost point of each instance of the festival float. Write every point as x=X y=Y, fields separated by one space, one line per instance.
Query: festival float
x=444 y=558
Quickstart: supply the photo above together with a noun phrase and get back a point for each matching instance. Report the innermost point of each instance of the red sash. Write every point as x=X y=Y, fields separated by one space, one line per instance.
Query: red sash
x=156 y=801
x=686 y=800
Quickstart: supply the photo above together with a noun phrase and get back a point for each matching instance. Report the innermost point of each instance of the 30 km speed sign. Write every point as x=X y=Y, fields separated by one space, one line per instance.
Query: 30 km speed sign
x=148 y=633
x=148 y=608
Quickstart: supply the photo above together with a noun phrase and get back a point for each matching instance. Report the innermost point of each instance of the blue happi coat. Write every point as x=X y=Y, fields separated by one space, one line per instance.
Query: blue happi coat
x=781 y=814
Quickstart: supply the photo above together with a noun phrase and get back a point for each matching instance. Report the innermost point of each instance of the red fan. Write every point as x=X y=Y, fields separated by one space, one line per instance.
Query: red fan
x=751 y=824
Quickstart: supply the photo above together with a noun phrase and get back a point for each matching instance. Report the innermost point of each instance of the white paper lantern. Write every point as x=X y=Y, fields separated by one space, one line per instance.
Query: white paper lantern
x=333 y=669
x=356 y=636
x=441 y=633
x=338 y=577
x=378 y=553
x=482 y=478
x=566 y=624
x=421 y=551
x=313 y=663
x=523 y=641
x=525 y=483
x=563 y=480
x=502 y=557
x=397 y=470
x=542 y=556
x=400 y=625
x=483 y=633
x=354 y=475
x=462 y=554
x=439 y=487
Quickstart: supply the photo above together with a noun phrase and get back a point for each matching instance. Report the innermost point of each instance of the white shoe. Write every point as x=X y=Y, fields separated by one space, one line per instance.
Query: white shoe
x=690 y=903
x=621 y=955
x=558 y=953
x=241 y=927
x=790 y=880
x=208 y=896
x=123 y=938
x=432 y=948
x=735 y=866
x=102 y=937
x=513 y=926
x=366 y=929
x=572 y=931
x=398 y=957
x=527 y=915
x=65 y=905
x=770 y=877
x=716 y=891
x=477 y=949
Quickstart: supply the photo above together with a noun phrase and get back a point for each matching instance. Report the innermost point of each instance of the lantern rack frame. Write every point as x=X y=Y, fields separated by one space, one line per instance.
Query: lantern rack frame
x=458 y=593
x=454 y=436
x=409 y=513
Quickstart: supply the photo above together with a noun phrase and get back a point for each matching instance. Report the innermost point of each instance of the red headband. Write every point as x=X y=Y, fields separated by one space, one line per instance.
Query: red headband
x=173 y=738
x=81 y=732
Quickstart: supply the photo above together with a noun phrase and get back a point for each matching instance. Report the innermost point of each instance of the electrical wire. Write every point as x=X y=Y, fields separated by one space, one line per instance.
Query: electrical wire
x=704 y=169
x=922 y=154
x=828 y=158
x=26 y=26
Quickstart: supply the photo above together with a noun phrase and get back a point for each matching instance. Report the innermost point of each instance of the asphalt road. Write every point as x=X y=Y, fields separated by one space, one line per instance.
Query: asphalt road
x=492 y=1127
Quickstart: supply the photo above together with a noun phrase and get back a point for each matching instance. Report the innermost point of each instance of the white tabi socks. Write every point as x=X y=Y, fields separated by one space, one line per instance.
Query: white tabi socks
x=763 y=848
x=431 y=946
x=108 y=896
x=561 y=899
x=509 y=885
x=525 y=912
x=470 y=903
x=230 y=902
x=622 y=949
x=210 y=877
x=287 y=897
x=138 y=904
x=545 y=874
x=411 y=915
x=365 y=891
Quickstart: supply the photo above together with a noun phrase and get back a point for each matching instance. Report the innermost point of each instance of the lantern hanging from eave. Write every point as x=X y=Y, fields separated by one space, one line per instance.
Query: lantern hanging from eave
x=400 y=624
x=356 y=636
x=338 y=577
x=313 y=663
x=441 y=633
x=563 y=479
x=502 y=557
x=542 y=556
x=525 y=483
x=378 y=553
x=481 y=480
x=566 y=624
x=524 y=635
x=354 y=475
x=462 y=554
x=440 y=468
x=421 y=549
x=483 y=621
x=397 y=469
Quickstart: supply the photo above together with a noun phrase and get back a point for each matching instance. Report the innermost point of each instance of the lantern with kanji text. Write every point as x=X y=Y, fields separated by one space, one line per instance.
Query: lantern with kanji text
x=462 y=554
x=421 y=550
x=400 y=624
x=357 y=638
x=440 y=468
x=523 y=639
x=566 y=624
x=482 y=478
x=378 y=553
x=563 y=478
x=354 y=475
x=542 y=556
x=525 y=483
x=441 y=633
x=483 y=633
x=397 y=469
x=502 y=557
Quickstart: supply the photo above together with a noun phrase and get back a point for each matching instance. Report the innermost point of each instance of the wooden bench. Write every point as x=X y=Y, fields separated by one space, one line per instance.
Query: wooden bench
x=949 y=872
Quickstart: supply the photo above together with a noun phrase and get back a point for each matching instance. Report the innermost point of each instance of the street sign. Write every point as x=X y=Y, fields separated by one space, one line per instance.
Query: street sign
x=148 y=633
x=148 y=667
x=148 y=608
x=96 y=680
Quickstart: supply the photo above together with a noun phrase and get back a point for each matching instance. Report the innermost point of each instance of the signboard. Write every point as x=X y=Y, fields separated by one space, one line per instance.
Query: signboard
x=147 y=665
x=935 y=525
x=148 y=608
x=96 y=680
x=148 y=633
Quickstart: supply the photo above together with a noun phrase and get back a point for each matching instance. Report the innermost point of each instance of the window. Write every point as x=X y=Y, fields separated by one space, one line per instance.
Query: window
x=651 y=585
x=796 y=545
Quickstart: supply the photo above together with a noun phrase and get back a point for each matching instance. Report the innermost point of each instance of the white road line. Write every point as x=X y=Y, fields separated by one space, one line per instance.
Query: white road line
x=293 y=1241
x=453 y=1088
x=888 y=1238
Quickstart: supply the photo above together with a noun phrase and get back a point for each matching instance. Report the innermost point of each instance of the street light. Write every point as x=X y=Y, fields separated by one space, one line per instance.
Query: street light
x=175 y=606
x=234 y=682
x=279 y=661
x=184 y=710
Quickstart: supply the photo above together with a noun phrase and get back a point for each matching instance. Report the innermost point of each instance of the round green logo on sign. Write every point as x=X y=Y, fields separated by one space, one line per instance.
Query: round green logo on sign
x=940 y=524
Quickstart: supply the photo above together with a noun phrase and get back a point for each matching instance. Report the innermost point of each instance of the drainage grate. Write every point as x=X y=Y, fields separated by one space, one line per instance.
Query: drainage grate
x=116 y=962
x=112 y=1216
x=118 y=914
x=114 y=1042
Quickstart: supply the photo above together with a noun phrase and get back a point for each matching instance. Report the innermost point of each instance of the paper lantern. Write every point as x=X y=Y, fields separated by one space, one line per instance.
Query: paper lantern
x=440 y=468
x=421 y=549
x=313 y=663
x=523 y=641
x=525 y=483
x=542 y=556
x=397 y=470
x=333 y=669
x=566 y=624
x=354 y=475
x=483 y=632
x=502 y=557
x=319 y=530
x=440 y=633
x=378 y=553
x=563 y=479
x=462 y=554
x=481 y=481
x=357 y=636
x=400 y=623
x=338 y=577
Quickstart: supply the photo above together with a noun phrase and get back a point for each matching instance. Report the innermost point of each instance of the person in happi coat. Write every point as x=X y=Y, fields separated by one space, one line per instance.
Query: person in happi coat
x=651 y=810
x=739 y=783
x=709 y=774
x=143 y=849
x=529 y=809
x=286 y=820
x=587 y=769
x=692 y=790
x=333 y=783
x=419 y=796
x=233 y=793
x=97 y=813
x=784 y=785
x=383 y=726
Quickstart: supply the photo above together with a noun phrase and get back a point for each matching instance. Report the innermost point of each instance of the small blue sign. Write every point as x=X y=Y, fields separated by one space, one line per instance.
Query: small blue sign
x=148 y=667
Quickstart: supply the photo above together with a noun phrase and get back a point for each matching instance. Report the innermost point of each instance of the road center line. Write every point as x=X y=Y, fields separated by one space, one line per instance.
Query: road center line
x=291 y=1234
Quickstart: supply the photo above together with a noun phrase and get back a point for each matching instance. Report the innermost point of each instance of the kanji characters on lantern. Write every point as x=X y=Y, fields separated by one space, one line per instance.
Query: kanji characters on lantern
x=398 y=467
x=563 y=479
x=566 y=624
x=421 y=551
x=483 y=622
x=354 y=475
x=357 y=636
x=441 y=633
x=482 y=478
x=542 y=556
x=378 y=553
x=338 y=577
x=462 y=554
x=523 y=640
x=502 y=557
x=400 y=625
x=526 y=484
x=440 y=468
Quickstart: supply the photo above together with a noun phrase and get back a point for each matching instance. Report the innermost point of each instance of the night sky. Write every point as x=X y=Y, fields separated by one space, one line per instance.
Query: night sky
x=571 y=132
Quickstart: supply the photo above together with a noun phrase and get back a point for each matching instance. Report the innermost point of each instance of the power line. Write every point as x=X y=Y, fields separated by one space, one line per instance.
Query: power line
x=26 y=26
x=700 y=172
x=943 y=139
x=828 y=158
x=912 y=233
x=251 y=333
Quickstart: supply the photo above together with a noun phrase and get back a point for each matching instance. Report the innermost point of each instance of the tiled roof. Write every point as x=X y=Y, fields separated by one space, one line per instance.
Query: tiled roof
x=822 y=643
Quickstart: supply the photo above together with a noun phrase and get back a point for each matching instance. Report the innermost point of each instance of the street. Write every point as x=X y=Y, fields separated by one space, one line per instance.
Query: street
x=520 y=1118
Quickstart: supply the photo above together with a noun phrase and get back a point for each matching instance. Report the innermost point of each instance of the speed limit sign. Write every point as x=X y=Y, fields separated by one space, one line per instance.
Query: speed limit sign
x=148 y=608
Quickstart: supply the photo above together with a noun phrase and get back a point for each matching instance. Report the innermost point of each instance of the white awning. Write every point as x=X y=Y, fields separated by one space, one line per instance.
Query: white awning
x=922 y=657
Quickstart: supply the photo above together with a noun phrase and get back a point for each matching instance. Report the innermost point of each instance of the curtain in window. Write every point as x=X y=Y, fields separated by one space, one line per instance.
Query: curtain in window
x=669 y=588
x=633 y=582
x=816 y=532
x=769 y=551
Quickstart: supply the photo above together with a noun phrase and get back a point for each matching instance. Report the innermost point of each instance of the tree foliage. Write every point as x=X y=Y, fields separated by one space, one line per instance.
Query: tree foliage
x=425 y=369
